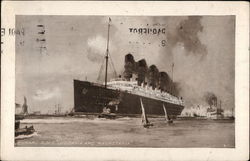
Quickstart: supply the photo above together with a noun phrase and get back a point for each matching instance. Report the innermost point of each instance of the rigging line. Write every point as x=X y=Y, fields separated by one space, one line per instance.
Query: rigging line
x=111 y=69
x=100 y=71
x=99 y=75
x=112 y=64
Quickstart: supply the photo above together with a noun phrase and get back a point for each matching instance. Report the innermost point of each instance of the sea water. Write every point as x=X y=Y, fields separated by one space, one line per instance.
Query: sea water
x=128 y=132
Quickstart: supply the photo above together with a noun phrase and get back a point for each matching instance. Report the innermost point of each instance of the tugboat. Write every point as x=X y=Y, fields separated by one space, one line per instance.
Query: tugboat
x=107 y=114
x=106 y=111
x=26 y=131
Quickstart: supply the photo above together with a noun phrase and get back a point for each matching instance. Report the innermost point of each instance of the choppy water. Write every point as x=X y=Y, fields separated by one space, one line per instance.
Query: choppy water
x=128 y=132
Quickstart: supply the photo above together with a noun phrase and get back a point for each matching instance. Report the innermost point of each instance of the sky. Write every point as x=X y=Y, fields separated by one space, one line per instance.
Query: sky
x=202 y=49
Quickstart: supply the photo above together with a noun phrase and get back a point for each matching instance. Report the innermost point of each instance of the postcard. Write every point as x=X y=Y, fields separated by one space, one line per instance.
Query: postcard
x=124 y=80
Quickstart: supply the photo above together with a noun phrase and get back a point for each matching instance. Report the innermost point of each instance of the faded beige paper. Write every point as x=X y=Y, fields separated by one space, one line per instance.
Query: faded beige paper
x=11 y=9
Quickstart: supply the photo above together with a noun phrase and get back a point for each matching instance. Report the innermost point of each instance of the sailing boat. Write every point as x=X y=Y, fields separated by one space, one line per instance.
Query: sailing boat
x=166 y=115
x=25 y=107
x=145 y=121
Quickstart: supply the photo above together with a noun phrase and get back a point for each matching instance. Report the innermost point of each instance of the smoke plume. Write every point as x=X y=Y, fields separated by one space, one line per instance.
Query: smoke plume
x=96 y=48
x=149 y=75
x=211 y=99
x=186 y=33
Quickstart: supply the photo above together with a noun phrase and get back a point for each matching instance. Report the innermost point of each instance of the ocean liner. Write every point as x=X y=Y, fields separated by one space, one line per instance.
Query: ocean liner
x=123 y=95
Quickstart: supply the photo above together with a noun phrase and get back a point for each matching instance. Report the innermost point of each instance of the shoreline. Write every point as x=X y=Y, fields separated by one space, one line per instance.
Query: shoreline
x=93 y=116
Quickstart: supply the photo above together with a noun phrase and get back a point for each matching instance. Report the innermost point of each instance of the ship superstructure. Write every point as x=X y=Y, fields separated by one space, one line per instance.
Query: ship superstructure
x=132 y=87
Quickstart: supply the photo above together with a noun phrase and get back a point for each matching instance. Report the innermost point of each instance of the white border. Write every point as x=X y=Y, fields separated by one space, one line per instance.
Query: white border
x=240 y=9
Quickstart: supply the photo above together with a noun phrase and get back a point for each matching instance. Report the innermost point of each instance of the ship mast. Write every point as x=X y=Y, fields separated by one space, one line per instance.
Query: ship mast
x=172 y=86
x=107 y=56
x=173 y=72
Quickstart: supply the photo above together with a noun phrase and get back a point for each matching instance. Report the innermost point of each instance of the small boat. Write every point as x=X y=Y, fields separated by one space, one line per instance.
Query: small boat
x=107 y=114
x=24 y=131
x=145 y=122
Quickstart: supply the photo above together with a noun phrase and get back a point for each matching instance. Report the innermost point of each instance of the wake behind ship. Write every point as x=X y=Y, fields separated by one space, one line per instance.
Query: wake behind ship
x=122 y=95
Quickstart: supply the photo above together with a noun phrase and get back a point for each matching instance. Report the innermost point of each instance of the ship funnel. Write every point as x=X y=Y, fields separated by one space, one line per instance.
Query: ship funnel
x=153 y=76
x=164 y=82
x=142 y=68
x=129 y=66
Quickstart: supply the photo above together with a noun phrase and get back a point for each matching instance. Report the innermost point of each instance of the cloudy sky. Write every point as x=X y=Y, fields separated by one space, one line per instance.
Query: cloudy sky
x=202 y=49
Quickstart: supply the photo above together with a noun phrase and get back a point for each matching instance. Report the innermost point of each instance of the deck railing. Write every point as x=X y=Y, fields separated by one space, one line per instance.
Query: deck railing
x=145 y=92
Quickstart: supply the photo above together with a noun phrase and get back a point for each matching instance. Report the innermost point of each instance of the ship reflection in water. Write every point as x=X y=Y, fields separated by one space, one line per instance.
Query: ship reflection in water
x=128 y=132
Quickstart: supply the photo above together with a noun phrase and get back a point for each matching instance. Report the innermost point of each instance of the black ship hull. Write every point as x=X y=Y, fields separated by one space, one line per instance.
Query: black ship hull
x=92 y=98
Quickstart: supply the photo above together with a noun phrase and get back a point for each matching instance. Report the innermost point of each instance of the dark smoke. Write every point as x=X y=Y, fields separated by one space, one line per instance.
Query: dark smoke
x=149 y=75
x=187 y=34
x=164 y=81
x=129 y=66
x=211 y=99
x=141 y=69
x=153 y=76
